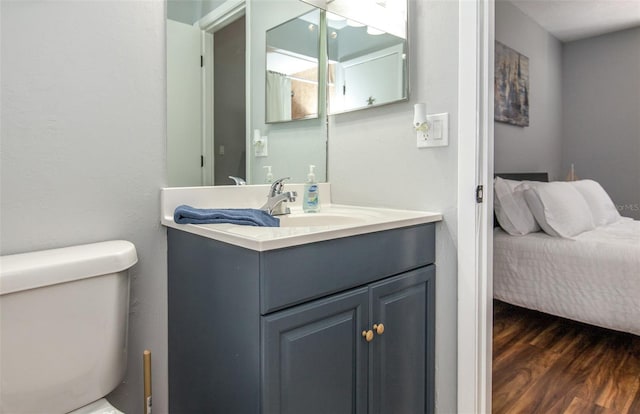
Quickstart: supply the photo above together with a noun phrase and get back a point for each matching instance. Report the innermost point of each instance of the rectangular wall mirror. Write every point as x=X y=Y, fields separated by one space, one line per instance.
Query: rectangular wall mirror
x=292 y=69
x=209 y=46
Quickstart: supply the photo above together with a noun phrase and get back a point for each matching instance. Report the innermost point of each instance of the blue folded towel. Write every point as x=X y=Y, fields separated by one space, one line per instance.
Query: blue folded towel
x=243 y=216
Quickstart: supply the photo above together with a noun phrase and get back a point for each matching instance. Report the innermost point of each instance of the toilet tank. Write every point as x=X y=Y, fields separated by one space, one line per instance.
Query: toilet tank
x=63 y=326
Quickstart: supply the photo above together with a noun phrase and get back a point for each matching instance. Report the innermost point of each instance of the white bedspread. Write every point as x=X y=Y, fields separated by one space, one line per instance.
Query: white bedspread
x=594 y=278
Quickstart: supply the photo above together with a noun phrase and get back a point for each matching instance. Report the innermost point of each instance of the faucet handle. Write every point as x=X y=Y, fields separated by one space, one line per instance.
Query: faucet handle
x=277 y=185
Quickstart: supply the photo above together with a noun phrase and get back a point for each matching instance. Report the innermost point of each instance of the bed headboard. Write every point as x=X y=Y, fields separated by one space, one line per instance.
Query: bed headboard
x=530 y=176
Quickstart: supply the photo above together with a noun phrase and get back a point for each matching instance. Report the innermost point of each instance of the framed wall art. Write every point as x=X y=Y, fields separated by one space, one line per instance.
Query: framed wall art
x=511 y=87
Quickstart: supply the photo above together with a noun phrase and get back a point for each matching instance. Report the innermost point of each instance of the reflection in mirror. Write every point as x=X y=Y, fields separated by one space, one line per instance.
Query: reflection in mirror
x=389 y=16
x=366 y=67
x=292 y=74
x=367 y=48
x=292 y=146
x=206 y=134
x=199 y=151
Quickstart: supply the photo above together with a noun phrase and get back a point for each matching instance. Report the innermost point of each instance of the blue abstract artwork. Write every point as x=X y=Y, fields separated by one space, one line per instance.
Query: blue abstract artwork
x=511 y=86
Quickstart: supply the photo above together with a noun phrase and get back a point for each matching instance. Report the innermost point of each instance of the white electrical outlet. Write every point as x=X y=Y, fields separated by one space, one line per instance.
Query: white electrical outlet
x=438 y=133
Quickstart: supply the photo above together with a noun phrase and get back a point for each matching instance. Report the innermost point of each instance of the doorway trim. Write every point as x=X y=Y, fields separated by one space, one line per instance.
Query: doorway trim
x=226 y=13
x=475 y=237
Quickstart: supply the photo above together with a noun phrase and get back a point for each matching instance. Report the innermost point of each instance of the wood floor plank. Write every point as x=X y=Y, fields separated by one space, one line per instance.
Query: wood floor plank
x=634 y=405
x=517 y=372
x=619 y=394
x=579 y=406
x=614 y=379
x=545 y=364
x=512 y=327
x=555 y=390
x=558 y=337
x=631 y=374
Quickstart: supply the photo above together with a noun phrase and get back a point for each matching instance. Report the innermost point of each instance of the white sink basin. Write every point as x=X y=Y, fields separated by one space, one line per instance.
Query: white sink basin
x=320 y=219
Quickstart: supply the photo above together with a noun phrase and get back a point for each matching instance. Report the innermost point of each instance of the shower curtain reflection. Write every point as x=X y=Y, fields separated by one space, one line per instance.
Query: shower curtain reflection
x=278 y=97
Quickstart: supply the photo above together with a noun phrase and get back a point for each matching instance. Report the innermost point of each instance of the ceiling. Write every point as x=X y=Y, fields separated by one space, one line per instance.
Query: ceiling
x=569 y=20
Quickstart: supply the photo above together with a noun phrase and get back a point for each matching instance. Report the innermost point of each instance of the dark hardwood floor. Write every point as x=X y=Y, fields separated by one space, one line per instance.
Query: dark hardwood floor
x=545 y=364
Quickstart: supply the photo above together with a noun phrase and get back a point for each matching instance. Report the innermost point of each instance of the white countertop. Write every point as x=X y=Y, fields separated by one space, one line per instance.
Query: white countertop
x=333 y=221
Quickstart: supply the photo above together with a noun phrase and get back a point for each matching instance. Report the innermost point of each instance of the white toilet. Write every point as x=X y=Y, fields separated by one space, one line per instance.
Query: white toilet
x=63 y=328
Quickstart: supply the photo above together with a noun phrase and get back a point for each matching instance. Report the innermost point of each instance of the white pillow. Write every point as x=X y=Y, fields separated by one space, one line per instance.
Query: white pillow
x=559 y=209
x=602 y=208
x=511 y=209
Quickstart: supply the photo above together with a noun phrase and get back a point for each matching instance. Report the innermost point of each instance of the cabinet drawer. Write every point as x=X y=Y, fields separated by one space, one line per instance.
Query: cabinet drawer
x=295 y=275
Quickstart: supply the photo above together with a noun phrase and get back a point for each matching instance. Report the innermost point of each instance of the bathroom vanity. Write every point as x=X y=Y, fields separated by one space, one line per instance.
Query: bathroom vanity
x=311 y=318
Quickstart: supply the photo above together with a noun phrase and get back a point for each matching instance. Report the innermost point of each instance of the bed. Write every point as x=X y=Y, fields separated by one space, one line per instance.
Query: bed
x=592 y=277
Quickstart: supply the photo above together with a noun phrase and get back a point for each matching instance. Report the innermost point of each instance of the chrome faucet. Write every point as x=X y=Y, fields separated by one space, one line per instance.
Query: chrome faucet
x=276 y=198
x=238 y=180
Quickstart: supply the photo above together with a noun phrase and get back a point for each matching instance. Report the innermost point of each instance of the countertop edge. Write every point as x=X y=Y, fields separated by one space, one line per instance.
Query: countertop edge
x=297 y=240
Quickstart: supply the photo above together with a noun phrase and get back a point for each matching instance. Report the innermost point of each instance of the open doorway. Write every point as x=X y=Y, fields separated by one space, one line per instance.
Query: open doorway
x=578 y=83
x=229 y=102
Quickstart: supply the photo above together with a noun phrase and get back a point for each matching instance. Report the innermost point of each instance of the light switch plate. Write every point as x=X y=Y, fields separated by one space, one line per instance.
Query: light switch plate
x=438 y=133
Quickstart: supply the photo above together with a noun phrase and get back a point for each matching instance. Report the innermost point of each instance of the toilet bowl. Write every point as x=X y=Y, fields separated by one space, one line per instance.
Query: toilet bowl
x=101 y=406
x=63 y=319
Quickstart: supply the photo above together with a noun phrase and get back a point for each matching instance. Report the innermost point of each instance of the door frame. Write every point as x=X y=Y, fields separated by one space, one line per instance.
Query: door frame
x=475 y=220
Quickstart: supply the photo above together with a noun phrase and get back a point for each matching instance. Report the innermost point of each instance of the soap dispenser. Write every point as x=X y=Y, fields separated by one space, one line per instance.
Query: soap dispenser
x=311 y=201
x=269 y=177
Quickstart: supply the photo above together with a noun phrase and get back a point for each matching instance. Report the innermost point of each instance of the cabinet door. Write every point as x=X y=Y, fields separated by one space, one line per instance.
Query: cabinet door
x=315 y=358
x=401 y=360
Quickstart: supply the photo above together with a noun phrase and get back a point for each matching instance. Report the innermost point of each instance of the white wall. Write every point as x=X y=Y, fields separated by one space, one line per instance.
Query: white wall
x=373 y=160
x=83 y=149
x=601 y=107
x=536 y=147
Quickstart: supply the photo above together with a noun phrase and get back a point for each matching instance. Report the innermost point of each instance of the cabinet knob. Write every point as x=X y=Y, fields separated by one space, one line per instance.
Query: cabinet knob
x=379 y=328
x=368 y=335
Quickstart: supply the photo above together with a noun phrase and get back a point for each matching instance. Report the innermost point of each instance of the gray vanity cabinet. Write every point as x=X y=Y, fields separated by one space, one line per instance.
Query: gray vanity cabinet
x=292 y=330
